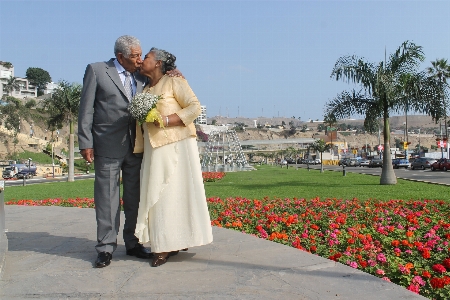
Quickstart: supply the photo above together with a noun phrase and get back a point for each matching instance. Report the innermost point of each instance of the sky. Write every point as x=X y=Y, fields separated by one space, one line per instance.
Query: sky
x=241 y=58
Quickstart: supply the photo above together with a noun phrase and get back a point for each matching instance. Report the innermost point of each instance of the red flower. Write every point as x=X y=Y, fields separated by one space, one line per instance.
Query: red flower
x=426 y=254
x=437 y=283
x=314 y=226
x=446 y=263
x=426 y=274
x=439 y=268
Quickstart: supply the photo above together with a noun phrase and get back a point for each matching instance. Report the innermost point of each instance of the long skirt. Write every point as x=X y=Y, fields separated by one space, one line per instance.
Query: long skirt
x=173 y=213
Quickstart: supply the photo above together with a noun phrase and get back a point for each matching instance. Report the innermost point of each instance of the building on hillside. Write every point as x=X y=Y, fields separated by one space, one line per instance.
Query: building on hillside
x=50 y=88
x=201 y=119
x=25 y=90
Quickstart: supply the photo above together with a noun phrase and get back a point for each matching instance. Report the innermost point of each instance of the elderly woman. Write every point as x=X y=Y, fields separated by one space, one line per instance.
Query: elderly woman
x=173 y=214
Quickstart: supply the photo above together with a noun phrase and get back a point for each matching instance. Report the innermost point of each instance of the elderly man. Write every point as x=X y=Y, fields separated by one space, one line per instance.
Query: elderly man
x=106 y=133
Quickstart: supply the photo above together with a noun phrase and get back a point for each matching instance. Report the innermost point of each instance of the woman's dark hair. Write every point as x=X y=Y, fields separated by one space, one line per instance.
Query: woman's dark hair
x=168 y=59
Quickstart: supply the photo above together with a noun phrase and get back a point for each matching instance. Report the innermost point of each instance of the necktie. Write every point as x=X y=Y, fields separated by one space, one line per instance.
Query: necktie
x=127 y=85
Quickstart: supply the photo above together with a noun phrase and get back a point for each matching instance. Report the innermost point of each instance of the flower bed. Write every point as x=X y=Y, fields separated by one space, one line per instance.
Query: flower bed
x=212 y=176
x=406 y=242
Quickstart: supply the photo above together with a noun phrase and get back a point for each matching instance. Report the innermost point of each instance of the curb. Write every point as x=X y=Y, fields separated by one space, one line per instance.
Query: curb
x=3 y=237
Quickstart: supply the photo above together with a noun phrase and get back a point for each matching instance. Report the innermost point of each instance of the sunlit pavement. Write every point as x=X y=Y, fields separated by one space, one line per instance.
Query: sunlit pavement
x=51 y=254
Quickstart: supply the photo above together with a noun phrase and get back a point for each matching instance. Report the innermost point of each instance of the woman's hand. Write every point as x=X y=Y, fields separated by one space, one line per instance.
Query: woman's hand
x=174 y=72
x=170 y=120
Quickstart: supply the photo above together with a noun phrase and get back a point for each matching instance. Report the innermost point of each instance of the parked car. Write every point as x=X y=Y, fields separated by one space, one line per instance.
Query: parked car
x=289 y=160
x=344 y=161
x=364 y=163
x=301 y=160
x=422 y=163
x=308 y=161
x=376 y=163
x=353 y=162
x=441 y=164
x=400 y=163
x=317 y=161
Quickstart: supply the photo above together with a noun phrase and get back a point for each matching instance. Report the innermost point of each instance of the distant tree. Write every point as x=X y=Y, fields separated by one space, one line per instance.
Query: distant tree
x=11 y=85
x=30 y=103
x=12 y=112
x=440 y=71
x=213 y=122
x=39 y=78
x=321 y=147
x=320 y=127
x=63 y=107
x=283 y=123
x=238 y=126
x=6 y=64
x=15 y=142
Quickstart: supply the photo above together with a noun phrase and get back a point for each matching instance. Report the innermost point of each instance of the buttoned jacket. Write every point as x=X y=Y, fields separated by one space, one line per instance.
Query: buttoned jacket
x=178 y=98
x=104 y=122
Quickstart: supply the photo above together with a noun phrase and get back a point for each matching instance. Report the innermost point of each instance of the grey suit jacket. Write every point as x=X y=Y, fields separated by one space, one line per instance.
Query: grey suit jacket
x=104 y=122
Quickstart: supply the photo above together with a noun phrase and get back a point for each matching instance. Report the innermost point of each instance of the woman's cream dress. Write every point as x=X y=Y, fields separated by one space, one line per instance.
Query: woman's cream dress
x=173 y=213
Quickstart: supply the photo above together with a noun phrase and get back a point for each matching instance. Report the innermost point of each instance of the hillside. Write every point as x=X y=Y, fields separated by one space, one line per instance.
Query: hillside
x=41 y=136
x=425 y=123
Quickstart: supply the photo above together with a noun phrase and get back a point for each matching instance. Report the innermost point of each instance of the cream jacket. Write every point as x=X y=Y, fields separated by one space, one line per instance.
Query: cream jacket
x=178 y=98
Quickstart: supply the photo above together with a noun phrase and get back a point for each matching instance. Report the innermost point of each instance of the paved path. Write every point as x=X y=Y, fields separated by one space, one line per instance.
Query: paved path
x=51 y=254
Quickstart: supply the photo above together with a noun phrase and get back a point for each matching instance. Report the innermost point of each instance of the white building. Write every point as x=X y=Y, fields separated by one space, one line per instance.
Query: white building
x=201 y=119
x=50 y=88
x=26 y=89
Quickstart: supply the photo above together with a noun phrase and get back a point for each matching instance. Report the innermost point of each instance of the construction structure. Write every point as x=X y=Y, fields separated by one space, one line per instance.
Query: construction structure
x=223 y=153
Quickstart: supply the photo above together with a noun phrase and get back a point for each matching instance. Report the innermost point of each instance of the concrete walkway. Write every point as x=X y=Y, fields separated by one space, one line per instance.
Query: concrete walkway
x=51 y=254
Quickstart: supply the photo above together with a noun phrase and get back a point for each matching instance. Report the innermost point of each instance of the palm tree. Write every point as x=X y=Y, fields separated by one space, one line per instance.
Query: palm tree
x=321 y=147
x=11 y=85
x=440 y=71
x=63 y=108
x=382 y=92
x=329 y=122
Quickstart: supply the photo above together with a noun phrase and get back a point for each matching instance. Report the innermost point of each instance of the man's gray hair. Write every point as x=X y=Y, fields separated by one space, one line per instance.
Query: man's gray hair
x=124 y=44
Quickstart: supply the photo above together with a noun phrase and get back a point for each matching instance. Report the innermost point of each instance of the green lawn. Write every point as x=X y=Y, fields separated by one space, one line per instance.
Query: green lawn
x=267 y=181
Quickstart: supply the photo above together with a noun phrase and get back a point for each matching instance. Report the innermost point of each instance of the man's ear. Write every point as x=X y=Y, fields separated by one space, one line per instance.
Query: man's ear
x=119 y=57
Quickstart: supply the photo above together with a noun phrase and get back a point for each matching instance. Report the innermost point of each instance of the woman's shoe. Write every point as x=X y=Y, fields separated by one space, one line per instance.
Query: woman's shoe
x=160 y=259
x=172 y=253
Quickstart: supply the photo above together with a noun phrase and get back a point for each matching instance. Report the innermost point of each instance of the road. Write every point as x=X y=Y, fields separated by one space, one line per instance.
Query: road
x=438 y=177
x=37 y=180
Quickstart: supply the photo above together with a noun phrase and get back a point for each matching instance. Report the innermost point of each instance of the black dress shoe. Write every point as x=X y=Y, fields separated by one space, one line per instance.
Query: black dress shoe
x=139 y=251
x=103 y=259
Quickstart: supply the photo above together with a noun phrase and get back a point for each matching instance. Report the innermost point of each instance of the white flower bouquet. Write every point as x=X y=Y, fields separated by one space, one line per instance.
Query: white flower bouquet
x=143 y=108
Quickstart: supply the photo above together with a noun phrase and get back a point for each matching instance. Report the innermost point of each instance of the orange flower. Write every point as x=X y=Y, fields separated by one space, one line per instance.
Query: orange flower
x=409 y=266
x=409 y=233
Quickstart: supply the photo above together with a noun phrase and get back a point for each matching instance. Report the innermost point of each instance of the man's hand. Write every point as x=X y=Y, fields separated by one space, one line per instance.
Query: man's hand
x=174 y=72
x=88 y=154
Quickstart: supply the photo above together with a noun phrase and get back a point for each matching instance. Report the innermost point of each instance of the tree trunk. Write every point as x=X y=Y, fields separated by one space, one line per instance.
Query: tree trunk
x=387 y=173
x=321 y=164
x=71 y=165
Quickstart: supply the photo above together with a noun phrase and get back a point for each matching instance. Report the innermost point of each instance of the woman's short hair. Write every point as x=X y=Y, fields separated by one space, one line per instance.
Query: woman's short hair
x=168 y=59
x=124 y=44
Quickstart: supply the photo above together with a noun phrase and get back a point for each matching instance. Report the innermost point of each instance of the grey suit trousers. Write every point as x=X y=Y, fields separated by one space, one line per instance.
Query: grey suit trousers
x=107 y=199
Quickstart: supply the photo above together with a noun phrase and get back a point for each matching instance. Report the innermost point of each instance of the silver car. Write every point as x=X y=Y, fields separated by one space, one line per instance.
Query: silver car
x=422 y=163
